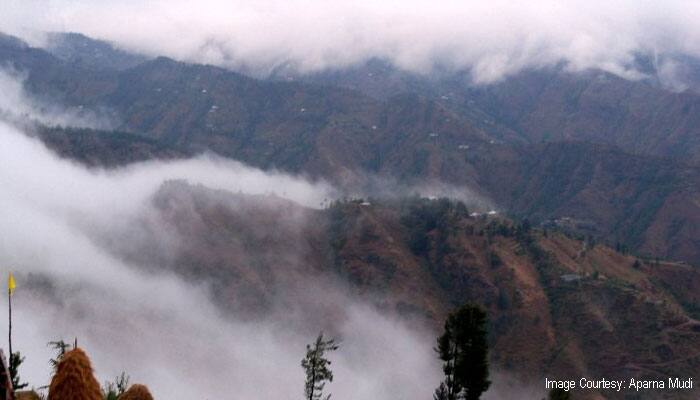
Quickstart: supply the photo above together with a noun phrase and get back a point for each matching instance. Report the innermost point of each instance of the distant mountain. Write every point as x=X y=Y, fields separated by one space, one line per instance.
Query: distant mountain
x=616 y=176
x=81 y=50
x=105 y=148
x=553 y=105
x=583 y=168
x=648 y=204
x=9 y=41
x=599 y=108
x=644 y=204
x=532 y=107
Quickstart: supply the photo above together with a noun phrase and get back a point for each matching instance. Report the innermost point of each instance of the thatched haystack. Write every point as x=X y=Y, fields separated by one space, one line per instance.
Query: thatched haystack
x=136 y=392
x=27 y=395
x=74 y=379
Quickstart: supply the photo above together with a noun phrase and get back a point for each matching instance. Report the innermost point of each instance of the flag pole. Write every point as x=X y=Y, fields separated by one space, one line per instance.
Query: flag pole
x=9 y=330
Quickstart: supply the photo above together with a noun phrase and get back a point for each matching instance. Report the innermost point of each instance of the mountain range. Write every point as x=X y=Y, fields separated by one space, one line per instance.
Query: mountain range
x=592 y=182
x=618 y=155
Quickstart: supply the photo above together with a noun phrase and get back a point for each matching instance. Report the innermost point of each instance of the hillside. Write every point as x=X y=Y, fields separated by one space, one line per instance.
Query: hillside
x=411 y=136
x=588 y=265
x=554 y=302
x=105 y=148
x=551 y=105
x=545 y=292
x=645 y=204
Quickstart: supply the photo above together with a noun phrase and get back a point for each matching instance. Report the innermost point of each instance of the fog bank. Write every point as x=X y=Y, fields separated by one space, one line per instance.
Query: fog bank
x=162 y=330
x=491 y=39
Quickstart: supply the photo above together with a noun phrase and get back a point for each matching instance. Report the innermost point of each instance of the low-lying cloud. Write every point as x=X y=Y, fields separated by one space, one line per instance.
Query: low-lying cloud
x=491 y=39
x=17 y=105
x=69 y=233
x=165 y=331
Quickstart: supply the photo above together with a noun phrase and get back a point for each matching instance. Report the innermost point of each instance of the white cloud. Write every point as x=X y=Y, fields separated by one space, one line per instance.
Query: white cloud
x=16 y=104
x=492 y=38
x=59 y=222
x=164 y=331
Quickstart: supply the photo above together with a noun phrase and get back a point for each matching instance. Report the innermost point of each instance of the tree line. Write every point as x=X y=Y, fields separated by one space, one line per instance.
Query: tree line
x=462 y=349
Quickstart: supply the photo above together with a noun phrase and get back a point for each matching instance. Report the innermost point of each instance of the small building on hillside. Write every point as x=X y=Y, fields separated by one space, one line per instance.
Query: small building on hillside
x=571 y=277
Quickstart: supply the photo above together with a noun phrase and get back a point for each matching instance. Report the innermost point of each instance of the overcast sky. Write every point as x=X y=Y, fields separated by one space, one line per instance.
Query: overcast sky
x=491 y=38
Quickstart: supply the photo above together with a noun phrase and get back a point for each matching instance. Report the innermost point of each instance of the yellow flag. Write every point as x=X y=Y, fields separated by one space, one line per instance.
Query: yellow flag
x=11 y=284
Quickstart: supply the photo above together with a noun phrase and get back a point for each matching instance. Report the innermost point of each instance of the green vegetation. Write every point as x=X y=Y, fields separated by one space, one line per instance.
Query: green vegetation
x=339 y=216
x=559 y=394
x=316 y=367
x=16 y=360
x=431 y=228
x=61 y=347
x=464 y=353
x=422 y=216
x=112 y=390
x=494 y=259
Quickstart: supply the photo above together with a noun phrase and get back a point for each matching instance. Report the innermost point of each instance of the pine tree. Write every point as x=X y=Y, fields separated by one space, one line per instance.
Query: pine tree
x=441 y=392
x=316 y=366
x=464 y=353
x=559 y=394
x=15 y=361
x=60 y=346
x=114 y=390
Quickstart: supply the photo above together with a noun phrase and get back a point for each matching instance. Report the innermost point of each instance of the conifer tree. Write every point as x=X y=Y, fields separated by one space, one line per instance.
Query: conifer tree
x=464 y=353
x=559 y=394
x=15 y=361
x=441 y=392
x=114 y=390
x=316 y=366
x=61 y=347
